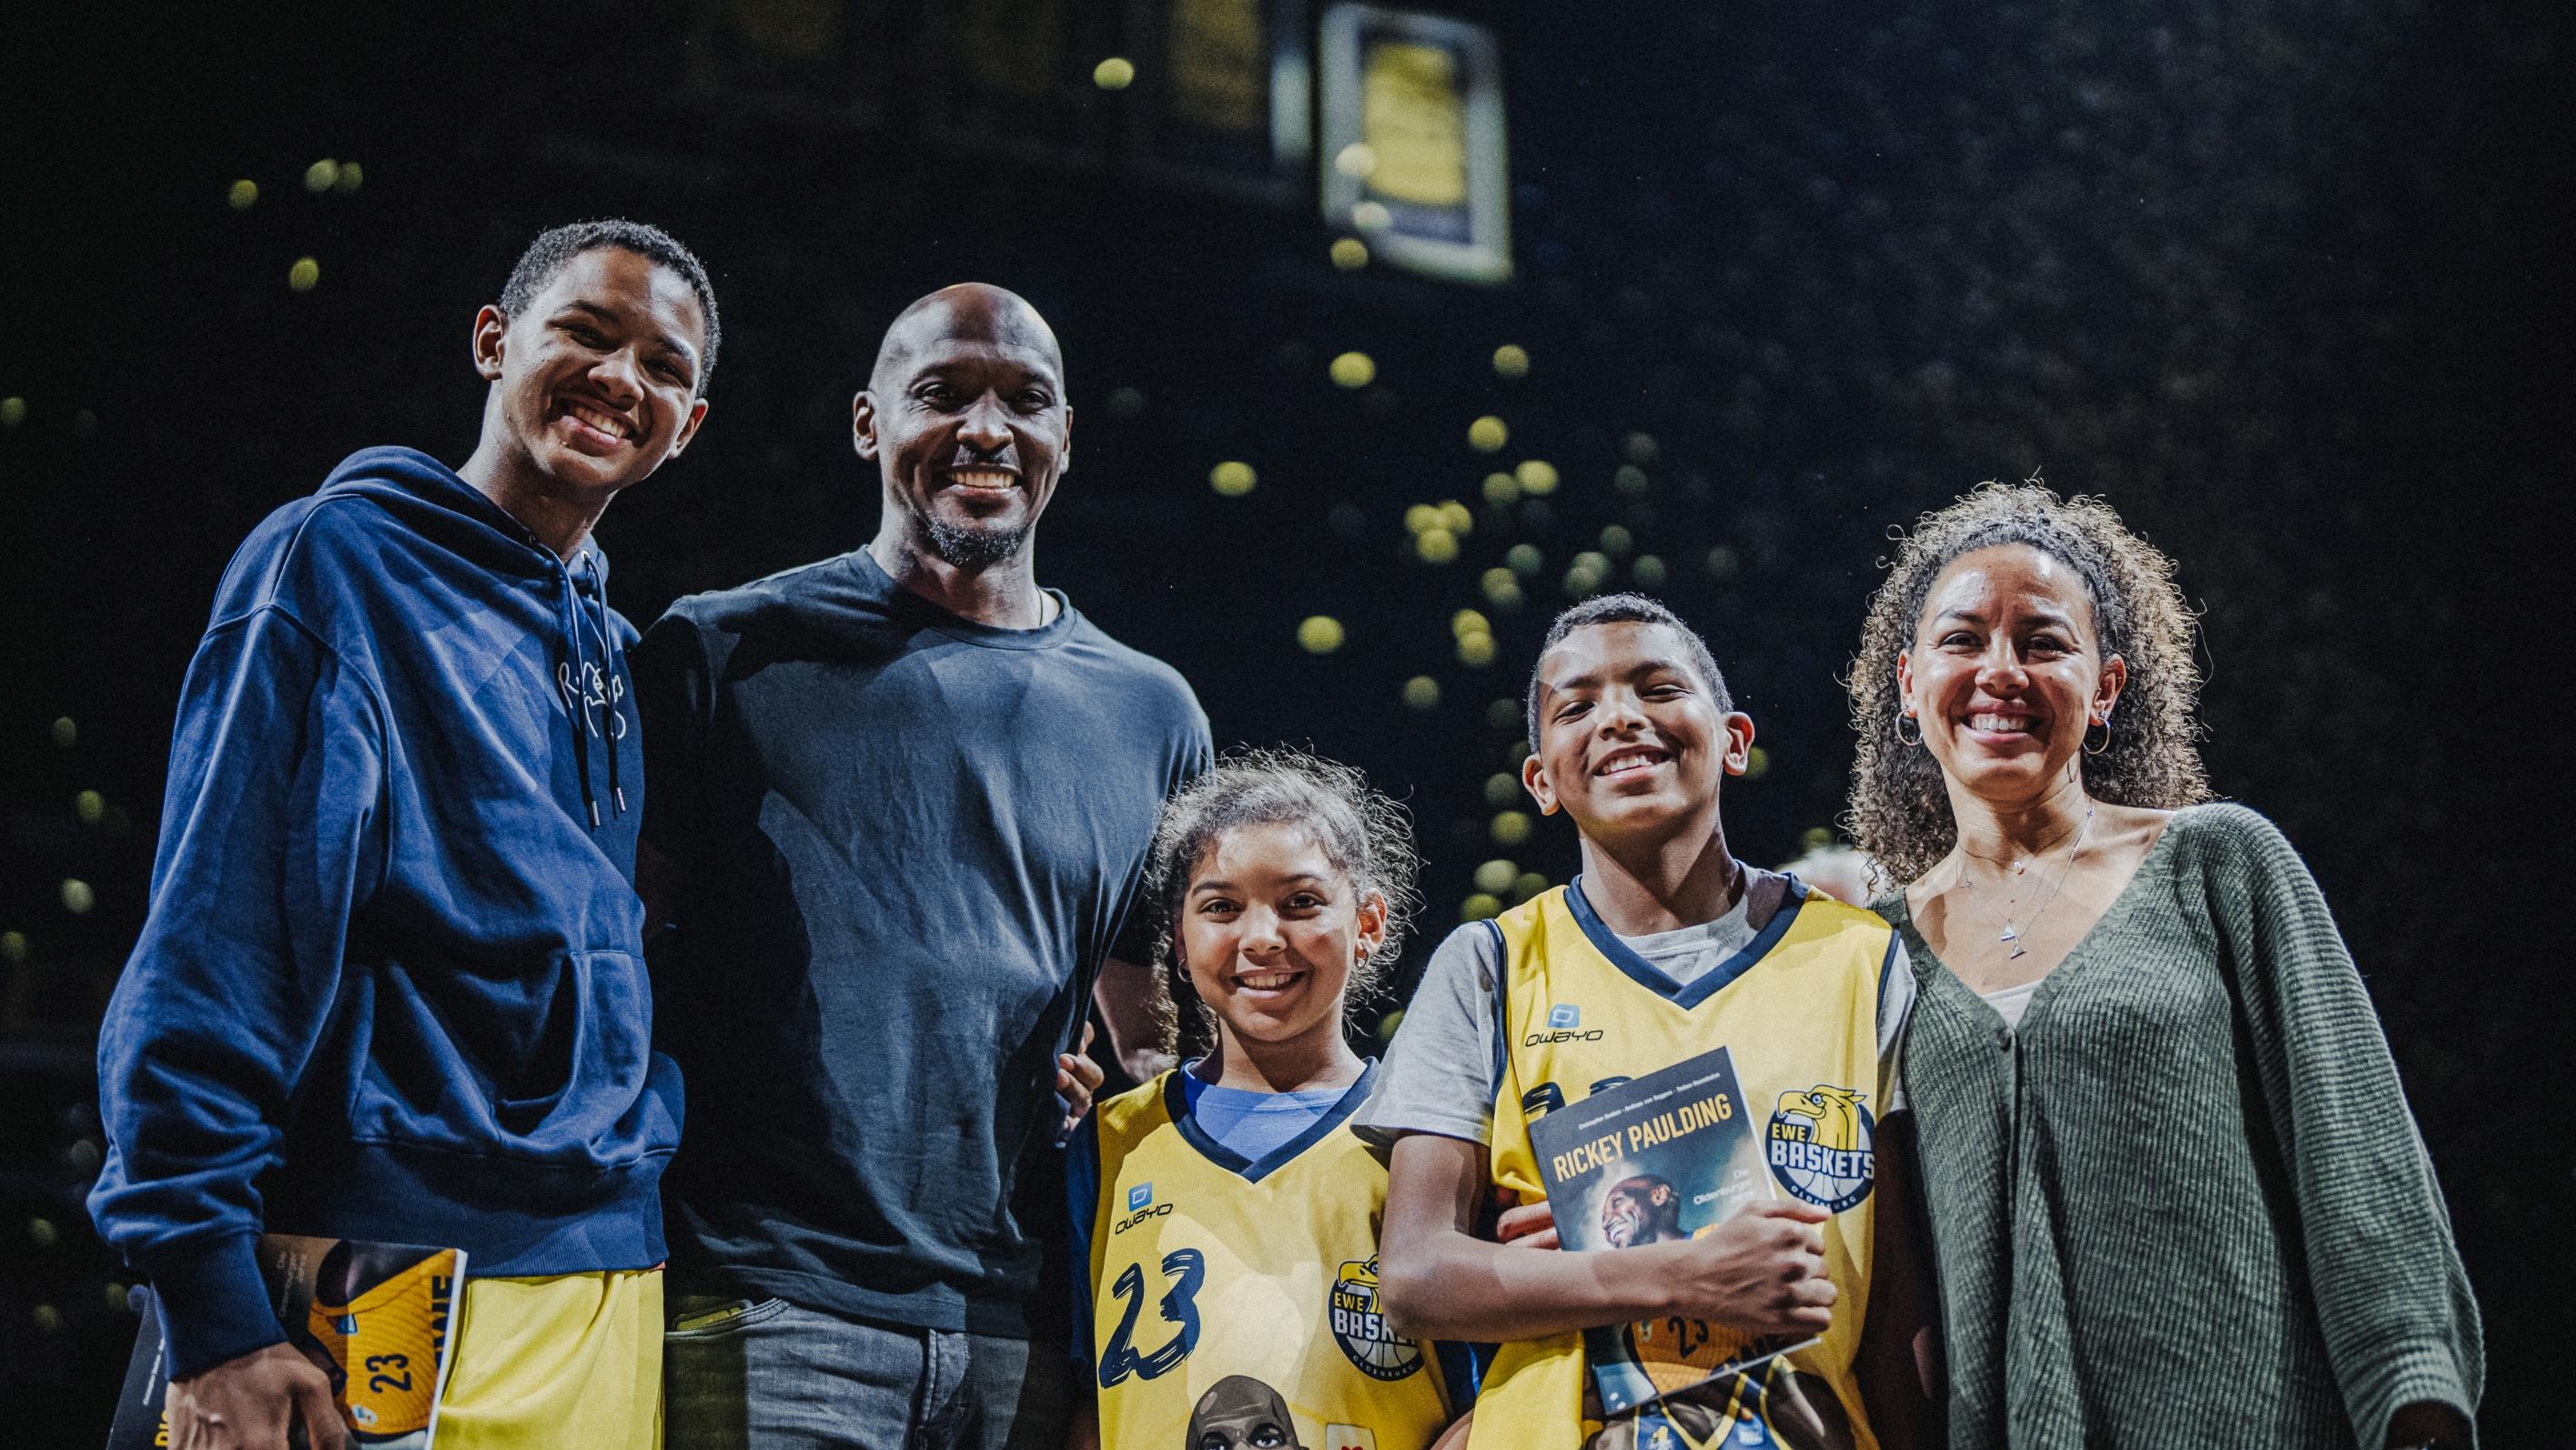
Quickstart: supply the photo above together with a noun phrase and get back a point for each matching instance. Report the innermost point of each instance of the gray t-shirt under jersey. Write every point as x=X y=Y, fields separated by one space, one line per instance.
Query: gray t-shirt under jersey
x=1438 y=1072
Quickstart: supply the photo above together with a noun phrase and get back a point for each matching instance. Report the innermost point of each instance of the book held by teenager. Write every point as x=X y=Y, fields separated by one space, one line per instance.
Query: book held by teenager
x=1662 y=1157
x=374 y=1317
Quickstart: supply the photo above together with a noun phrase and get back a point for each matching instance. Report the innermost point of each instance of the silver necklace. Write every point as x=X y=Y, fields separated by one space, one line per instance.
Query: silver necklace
x=2012 y=932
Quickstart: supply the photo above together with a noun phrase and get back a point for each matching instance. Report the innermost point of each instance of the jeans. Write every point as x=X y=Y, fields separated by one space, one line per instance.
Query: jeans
x=755 y=1374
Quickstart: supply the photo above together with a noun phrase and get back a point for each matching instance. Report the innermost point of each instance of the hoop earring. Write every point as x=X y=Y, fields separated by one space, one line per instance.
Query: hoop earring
x=1901 y=718
x=2092 y=749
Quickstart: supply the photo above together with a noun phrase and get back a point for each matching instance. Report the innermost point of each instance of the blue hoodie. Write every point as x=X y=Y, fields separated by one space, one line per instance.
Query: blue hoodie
x=391 y=985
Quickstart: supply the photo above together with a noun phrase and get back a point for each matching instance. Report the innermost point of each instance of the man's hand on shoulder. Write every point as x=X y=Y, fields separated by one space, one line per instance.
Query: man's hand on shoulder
x=1125 y=996
x=247 y=1403
x=1077 y=1081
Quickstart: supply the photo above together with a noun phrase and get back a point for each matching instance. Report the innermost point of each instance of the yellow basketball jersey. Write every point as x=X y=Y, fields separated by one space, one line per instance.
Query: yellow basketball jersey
x=1214 y=1279
x=386 y=1342
x=1579 y=1011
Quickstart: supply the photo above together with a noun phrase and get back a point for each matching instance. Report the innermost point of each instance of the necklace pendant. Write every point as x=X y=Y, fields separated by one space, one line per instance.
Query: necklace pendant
x=2018 y=952
x=2011 y=933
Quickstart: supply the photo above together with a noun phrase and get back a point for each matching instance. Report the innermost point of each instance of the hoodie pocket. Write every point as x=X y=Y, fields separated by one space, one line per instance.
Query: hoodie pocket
x=553 y=1066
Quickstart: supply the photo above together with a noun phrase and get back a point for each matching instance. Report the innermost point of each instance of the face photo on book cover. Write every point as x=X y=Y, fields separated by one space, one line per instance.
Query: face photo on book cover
x=1669 y=1192
x=1242 y=1413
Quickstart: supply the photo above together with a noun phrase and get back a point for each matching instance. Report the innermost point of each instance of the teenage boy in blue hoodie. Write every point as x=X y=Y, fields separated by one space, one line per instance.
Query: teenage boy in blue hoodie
x=391 y=985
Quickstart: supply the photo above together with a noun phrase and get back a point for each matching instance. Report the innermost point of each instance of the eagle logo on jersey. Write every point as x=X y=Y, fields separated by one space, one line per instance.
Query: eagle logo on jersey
x=1360 y=1328
x=1819 y=1145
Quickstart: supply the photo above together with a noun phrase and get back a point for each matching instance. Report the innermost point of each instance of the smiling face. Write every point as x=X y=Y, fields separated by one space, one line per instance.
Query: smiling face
x=1270 y=929
x=1629 y=738
x=2006 y=671
x=965 y=417
x=1640 y=1210
x=595 y=380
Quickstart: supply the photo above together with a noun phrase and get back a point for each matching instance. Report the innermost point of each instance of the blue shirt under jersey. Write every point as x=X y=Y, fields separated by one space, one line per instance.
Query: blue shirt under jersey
x=1254 y=1124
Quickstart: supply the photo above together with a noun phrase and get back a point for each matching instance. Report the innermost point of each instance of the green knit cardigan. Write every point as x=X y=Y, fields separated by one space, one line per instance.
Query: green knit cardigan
x=2184 y=1204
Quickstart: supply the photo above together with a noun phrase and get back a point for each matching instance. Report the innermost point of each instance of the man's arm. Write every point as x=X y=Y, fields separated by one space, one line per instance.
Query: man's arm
x=1124 y=990
x=673 y=699
x=1125 y=995
x=271 y=834
x=657 y=881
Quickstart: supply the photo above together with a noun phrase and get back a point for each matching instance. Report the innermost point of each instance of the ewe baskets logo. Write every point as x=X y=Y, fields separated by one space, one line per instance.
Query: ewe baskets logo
x=1819 y=1146
x=1361 y=1330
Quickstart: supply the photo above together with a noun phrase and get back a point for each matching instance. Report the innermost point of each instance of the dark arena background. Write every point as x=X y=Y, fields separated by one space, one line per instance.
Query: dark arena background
x=1732 y=291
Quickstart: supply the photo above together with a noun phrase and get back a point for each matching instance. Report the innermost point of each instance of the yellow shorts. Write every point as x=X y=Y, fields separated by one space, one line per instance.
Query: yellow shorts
x=571 y=1362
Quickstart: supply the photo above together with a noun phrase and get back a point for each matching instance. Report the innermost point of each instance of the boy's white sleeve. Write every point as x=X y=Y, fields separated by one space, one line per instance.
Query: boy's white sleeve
x=1439 y=1072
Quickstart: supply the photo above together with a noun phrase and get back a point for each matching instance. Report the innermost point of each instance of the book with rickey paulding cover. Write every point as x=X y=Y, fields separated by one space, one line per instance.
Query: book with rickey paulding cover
x=1665 y=1156
x=374 y=1317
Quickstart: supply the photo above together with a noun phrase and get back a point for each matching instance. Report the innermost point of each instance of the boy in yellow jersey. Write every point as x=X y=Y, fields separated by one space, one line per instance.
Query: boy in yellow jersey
x=1663 y=949
x=1226 y=1215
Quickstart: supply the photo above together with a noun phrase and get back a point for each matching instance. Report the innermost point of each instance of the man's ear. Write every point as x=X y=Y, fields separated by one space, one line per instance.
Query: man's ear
x=491 y=330
x=863 y=423
x=688 y=429
x=1534 y=780
x=1064 y=455
x=1738 y=756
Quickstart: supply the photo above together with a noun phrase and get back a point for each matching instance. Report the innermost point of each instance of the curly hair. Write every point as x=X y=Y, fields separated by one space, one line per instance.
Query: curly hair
x=1899 y=811
x=1364 y=833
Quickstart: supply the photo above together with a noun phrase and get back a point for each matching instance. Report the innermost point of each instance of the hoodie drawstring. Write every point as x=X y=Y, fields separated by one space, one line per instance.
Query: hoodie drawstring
x=578 y=685
x=577 y=693
x=616 y=730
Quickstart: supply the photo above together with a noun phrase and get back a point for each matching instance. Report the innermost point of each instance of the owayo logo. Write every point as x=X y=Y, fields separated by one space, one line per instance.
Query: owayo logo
x=1361 y=1329
x=1564 y=1024
x=1140 y=1207
x=1819 y=1146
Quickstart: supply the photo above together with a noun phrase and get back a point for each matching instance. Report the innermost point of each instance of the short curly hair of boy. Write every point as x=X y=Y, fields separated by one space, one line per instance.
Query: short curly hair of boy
x=1362 y=832
x=1899 y=810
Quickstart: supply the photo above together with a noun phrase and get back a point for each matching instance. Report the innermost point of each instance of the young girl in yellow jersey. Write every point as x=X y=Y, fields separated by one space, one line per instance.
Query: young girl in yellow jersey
x=1228 y=1212
x=1664 y=949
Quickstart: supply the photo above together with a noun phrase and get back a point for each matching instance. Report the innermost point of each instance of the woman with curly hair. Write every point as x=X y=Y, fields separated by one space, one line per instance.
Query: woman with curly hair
x=2176 y=1195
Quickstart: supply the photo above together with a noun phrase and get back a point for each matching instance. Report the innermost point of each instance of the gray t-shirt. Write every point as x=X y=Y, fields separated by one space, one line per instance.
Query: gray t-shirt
x=1438 y=1075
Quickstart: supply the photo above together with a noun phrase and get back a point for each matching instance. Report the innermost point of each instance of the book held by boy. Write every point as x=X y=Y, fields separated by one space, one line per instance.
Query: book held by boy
x=374 y=1317
x=1662 y=1157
